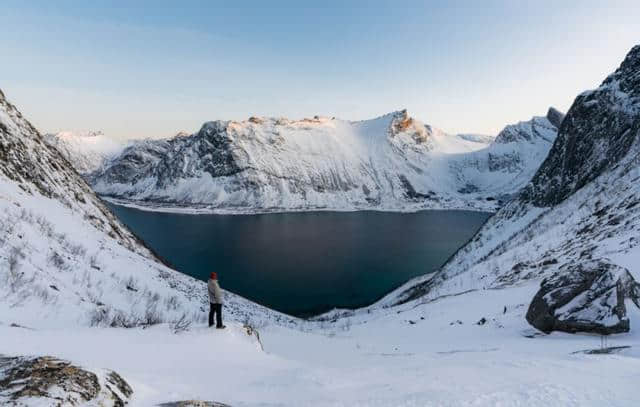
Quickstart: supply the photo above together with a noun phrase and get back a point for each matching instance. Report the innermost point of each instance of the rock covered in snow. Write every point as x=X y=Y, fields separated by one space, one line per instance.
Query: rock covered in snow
x=538 y=127
x=45 y=380
x=584 y=297
x=393 y=162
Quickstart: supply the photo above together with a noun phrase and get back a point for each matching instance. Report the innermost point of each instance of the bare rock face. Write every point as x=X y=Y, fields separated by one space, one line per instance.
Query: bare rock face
x=47 y=380
x=555 y=116
x=584 y=297
x=597 y=132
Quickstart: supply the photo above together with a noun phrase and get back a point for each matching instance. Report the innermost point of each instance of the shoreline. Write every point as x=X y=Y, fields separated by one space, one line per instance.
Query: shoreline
x=167 y=208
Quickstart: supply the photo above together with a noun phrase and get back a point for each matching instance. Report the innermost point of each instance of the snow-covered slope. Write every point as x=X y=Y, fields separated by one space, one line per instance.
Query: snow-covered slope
x=435 y=354
x=508 y=163
x=86 y=151
x=575 y=225
x=393 y=162
x=66 y=260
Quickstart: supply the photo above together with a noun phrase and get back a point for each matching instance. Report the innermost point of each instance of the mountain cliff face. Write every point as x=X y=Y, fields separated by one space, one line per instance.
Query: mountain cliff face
x=65 y=259
x=86 y=151
x=574 y=227
x=393 y=162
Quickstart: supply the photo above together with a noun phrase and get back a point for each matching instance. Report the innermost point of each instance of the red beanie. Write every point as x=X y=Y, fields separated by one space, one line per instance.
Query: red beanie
x=214 y=276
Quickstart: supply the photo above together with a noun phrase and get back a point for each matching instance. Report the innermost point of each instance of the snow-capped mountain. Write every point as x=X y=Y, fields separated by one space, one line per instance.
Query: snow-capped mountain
x=509 y=162
x=393 y=162
x=86 y=151
x=65 y=259
x=574 y=227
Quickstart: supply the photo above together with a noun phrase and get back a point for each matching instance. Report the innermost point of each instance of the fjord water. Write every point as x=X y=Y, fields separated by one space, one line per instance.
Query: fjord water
x=306 y=263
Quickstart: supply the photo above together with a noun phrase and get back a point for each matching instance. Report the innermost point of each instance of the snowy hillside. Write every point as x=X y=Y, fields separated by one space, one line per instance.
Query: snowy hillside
x=86 y=151
x=575 y=226
x=66 y=260
x=393 y=162
x=435 y=354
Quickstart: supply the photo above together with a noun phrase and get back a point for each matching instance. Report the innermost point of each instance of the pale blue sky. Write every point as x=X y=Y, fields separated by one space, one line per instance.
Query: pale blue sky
x=152 y=68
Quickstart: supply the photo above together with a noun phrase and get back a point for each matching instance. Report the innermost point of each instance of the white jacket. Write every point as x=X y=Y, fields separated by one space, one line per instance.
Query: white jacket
x=215 y=293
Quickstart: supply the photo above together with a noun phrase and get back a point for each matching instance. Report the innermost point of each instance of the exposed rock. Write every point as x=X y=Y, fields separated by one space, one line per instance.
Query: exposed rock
x=596 y=133
x=193 y=403
x=584 y=297
x=555 y=117
x=57 y=382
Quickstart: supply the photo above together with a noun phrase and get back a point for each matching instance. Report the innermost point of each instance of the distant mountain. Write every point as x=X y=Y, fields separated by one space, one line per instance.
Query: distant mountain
x=86 y=151
x=509 y=162
x=393 y=162
x=66 y=260
x=572 y=233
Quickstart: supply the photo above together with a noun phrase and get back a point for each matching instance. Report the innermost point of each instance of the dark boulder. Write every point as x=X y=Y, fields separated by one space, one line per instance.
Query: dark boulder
x=584 y=297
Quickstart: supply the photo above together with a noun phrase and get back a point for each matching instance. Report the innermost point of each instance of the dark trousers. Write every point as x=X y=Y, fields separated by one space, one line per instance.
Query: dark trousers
x=217 y=310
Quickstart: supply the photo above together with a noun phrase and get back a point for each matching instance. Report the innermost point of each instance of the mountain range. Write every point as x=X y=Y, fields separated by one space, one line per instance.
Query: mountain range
x=393 y=162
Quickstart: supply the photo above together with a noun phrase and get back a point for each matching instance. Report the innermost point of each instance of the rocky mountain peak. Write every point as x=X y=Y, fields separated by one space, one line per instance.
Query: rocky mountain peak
x=627 y=76
x=401 y=123
x=595 y=135
x=536 y=128
x=555 y=116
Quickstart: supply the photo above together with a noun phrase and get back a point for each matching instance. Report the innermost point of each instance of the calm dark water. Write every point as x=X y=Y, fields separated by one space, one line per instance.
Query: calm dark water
x=306 y=263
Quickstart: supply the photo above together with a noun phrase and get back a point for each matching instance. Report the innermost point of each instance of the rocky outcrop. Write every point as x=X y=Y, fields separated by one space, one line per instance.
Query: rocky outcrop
x=555 y=117
x=596 y=133
x=49 y=381
x=584 y=297
x=193 y=403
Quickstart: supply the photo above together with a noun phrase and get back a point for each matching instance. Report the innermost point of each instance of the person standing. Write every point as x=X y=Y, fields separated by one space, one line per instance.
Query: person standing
x=215 y=301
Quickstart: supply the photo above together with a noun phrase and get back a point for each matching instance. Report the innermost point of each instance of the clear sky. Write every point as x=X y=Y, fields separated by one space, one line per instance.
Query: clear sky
x=152 y=68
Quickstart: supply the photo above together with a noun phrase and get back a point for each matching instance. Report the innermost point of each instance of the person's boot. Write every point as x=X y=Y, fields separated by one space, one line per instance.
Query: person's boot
x=221 y=327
